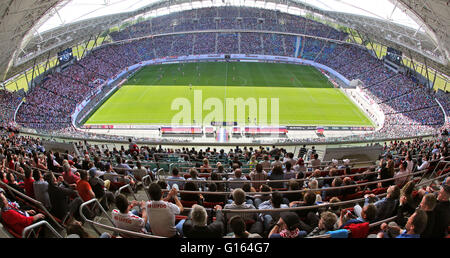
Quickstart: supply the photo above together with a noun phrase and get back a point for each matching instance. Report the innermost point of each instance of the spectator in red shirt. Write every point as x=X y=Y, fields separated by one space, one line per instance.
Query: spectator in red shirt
x=28 y=182
x=14 y=218
x=69 y=176
x=84 y=188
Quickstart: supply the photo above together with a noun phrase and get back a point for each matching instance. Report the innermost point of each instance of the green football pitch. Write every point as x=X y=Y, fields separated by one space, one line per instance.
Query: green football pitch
x=303 y=96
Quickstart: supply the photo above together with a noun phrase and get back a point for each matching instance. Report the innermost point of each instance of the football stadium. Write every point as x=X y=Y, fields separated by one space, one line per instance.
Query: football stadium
x=221 y=119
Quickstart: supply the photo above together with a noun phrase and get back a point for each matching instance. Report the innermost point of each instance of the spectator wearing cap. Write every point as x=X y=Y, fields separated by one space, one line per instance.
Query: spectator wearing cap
x=345 y=165
x=287 y=227
x=299 y=167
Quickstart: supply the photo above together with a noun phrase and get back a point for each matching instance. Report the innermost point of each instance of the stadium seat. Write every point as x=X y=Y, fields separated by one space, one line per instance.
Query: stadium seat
x=379 y=190
x=353 y=196
x=358 y=230
x=212 y=204
x=188 y=204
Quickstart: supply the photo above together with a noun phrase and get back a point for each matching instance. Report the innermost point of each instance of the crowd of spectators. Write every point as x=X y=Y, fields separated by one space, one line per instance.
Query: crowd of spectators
x=410 y=109
x=8 y=104
x=228 y=18
x=63 y=181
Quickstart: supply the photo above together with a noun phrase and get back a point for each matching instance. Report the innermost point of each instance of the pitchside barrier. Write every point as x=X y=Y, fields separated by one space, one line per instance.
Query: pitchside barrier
x=372 y=152
x=116 y=139
x=284 y=191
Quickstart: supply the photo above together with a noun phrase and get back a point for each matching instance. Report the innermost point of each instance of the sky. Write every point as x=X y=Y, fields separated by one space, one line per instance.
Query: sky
x=77 y=10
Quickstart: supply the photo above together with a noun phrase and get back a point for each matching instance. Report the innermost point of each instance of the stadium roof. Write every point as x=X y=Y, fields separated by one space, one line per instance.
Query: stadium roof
x=30 y=31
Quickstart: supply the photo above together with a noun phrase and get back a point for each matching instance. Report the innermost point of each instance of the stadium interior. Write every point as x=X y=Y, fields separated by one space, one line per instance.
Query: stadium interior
x=224 y=119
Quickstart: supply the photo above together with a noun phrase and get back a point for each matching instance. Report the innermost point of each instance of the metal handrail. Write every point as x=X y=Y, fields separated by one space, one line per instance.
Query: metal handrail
x=428 y=181
x=342 y=203
x=260 y=181
x=28 y=230
x=322 y=205
x=127 y=186
x=114 y=227
x=35 y=202
x=144 y=180
x=299 y=191
x=96 y=203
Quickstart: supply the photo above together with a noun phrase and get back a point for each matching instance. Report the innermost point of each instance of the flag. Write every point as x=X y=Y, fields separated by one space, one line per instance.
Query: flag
x=320 y=130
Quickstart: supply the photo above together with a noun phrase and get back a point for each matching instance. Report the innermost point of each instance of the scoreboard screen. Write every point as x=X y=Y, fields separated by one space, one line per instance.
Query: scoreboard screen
x=65 y=56
x=394 y=55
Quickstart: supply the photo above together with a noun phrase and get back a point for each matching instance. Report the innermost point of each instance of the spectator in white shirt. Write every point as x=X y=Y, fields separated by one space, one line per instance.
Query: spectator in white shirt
x=161 y=213
x=425 y=164
x=126 y=218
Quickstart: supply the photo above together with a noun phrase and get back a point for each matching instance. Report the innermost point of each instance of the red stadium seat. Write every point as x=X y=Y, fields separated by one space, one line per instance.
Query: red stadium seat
x=354 y=170
x=212 y=204
x=279 y=189
x=358 y=230
x=188 y=204
x=380 y=190
x=356 y=195
x=178 y=218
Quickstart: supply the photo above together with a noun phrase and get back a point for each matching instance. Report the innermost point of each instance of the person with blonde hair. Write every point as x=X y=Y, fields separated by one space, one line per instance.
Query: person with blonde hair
x=252 y=162
x=205 y=168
